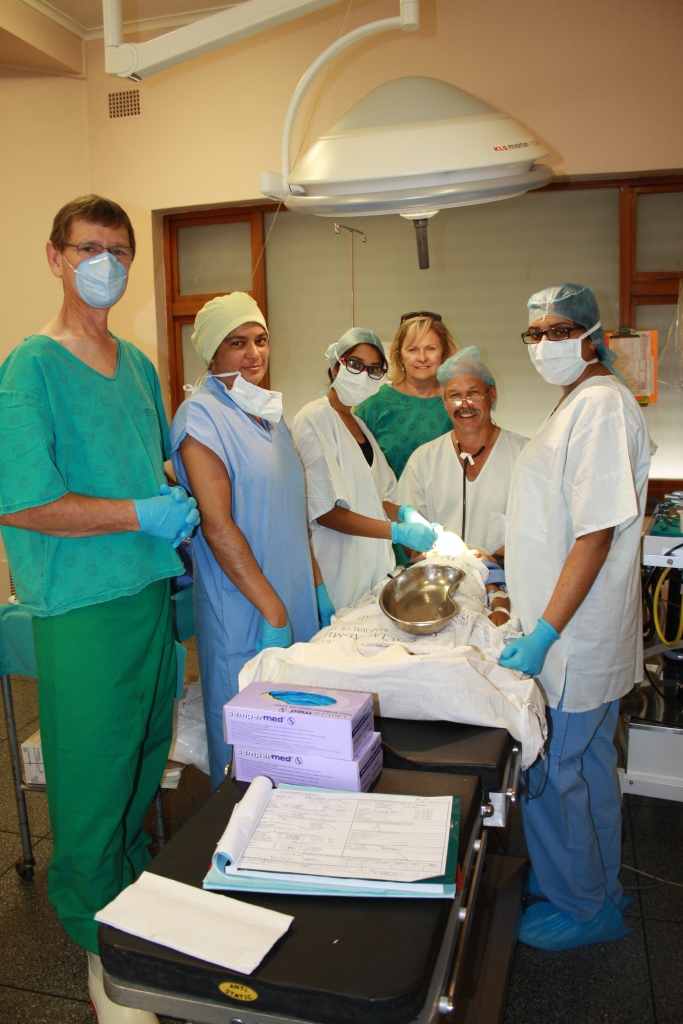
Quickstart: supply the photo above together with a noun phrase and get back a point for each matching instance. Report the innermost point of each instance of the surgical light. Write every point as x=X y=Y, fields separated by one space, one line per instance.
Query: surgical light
x=412 y=146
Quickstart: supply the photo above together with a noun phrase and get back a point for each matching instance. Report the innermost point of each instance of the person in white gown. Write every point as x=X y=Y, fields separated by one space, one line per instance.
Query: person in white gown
x=462 y=479
x=572 y=552
x=350 y=489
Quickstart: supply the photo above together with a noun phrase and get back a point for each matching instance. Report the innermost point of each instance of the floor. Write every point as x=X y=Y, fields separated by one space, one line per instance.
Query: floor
x=637 y=980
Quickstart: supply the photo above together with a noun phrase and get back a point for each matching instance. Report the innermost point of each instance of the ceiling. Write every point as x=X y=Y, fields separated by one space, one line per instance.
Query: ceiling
x=84 y=17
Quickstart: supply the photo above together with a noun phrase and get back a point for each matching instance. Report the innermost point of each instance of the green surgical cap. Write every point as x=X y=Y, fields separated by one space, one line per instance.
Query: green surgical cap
x=576 y=302
x=354 y=336
x=466 y=362
x=219 y=317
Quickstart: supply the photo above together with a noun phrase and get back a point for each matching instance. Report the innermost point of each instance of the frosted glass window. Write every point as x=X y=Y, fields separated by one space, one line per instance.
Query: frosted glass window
x=659 y=232
x=215 y=258
x=193 y=367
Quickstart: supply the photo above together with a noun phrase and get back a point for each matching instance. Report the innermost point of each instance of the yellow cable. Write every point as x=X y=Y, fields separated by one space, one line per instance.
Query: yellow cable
x=660 y=634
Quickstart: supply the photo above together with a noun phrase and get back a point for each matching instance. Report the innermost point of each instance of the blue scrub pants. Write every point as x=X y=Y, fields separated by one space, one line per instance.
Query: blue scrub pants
x=573 y=826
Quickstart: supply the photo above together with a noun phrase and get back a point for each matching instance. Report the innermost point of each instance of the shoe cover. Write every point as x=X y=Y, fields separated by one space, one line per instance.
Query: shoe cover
x=546 y=927
x=534 y=889
x=107 y=1011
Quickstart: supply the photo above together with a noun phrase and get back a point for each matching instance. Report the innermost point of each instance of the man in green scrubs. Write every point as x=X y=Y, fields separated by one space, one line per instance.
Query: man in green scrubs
x=90 y=525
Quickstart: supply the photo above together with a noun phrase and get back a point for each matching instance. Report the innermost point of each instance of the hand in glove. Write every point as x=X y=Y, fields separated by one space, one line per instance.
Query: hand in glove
x=325 y=607
x=171 y=516
x=419 y=536
x=527 y=654
x=271 y=636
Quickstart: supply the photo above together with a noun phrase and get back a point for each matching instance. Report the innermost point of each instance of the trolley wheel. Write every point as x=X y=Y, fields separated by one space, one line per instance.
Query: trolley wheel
x=25 y=870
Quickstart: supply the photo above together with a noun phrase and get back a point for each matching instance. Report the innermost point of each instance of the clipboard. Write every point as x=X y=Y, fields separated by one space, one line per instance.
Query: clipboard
x=637 y=353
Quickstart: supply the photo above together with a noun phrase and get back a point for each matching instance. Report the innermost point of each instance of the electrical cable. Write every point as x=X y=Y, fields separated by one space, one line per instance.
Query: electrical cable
x=663 y=696
x=665 y=881
x=655 y=601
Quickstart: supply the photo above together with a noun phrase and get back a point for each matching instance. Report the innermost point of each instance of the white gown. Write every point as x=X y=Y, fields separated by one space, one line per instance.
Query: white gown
x=585 y=470
x=432 y=484
x=337 y=473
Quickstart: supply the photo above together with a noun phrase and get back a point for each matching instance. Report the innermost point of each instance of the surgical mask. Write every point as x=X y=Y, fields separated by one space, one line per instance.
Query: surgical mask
x=560 y=362
x=250 y=398
x=354 y=388
x=101 y=280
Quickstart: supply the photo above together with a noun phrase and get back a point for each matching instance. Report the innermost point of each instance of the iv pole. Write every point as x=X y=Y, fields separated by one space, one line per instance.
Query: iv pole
x=363 y=238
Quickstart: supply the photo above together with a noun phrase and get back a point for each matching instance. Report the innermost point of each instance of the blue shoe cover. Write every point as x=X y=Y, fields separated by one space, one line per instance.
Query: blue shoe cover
x=534 y=888
x=546 y=927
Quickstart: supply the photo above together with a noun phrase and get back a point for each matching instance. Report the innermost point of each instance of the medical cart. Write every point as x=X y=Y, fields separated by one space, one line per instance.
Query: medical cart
x=355 y=961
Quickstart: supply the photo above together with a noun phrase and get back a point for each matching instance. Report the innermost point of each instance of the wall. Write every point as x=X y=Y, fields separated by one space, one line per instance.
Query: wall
x=44 y=163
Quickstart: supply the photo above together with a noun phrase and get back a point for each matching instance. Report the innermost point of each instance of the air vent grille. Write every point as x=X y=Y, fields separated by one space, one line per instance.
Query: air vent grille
x=124 y=104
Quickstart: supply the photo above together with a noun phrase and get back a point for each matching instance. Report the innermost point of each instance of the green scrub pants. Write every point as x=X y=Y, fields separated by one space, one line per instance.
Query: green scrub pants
x=106 y=685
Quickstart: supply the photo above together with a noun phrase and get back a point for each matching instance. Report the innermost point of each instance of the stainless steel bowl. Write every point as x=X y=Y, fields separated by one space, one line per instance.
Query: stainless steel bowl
x=420 y=599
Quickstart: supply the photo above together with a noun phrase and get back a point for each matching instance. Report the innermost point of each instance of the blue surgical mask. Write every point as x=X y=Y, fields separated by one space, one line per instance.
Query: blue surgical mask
x=101 y=280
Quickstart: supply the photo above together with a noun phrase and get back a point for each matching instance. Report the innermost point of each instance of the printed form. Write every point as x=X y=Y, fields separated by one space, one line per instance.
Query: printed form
x=351 y=835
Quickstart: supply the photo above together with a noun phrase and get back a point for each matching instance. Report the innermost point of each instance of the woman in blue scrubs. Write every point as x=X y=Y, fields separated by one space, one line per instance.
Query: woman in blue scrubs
x=253 y=575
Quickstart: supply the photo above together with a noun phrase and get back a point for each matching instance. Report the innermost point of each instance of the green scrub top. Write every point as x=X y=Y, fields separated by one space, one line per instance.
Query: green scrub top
x=65 y=428
x=401 y=423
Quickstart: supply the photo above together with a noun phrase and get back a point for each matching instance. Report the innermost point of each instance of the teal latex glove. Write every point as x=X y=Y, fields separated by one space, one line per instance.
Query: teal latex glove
x=418 y=536
x=273 y=637
x=325 y=607
x=408 y=514
x=528 y=653
x=170 y=516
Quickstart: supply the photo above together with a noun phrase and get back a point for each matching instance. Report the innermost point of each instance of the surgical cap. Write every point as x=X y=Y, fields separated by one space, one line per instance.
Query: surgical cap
x=576 y=302
x=354 y=336
x=466 y=362
x=219 y=317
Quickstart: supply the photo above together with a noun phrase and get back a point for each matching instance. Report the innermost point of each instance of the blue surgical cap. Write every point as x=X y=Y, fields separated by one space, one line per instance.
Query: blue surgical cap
x=576 y=302
x=354 y=336
x=465 y=362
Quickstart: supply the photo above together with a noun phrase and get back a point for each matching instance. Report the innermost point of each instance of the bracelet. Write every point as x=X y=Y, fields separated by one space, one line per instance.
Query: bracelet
x=504 y=611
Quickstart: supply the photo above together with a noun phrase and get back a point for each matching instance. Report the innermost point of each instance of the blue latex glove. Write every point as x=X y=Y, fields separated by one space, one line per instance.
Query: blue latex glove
x=325 y=607
x=272 y=637
x=419 y=536
x=528 y=653
x=193 y=519
x=170 y=516
x=408 y=514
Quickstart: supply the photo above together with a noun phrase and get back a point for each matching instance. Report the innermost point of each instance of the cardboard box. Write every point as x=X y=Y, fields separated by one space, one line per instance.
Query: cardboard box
x=308 y=770
x=291 y=719
x=32 y=760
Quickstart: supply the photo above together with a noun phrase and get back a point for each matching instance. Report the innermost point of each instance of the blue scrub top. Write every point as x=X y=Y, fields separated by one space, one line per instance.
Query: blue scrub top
x=268 y=506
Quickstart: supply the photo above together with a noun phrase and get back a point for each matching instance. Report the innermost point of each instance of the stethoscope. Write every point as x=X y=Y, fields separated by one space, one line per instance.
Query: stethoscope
x=466 y=457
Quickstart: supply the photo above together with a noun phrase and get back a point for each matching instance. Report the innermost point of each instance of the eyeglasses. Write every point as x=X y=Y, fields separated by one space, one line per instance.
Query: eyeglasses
x=476 y=398
x=535 y=335
x=357 y=366
x=422 y=314
x=120 y=252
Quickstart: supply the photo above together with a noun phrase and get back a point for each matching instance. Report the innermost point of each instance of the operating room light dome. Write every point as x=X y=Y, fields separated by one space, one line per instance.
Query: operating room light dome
x=412 y=146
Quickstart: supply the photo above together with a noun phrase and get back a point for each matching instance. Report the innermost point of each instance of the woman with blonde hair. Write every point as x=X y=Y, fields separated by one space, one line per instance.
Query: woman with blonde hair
x=409 y=411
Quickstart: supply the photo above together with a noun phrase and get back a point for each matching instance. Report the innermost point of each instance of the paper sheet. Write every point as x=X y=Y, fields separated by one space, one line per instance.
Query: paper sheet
x=214 y=928
x=351 y=835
